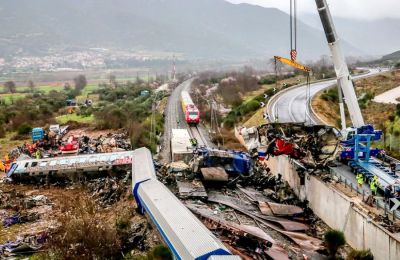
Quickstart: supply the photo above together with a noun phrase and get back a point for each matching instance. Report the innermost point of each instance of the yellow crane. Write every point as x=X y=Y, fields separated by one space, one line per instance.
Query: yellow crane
x=293 y=64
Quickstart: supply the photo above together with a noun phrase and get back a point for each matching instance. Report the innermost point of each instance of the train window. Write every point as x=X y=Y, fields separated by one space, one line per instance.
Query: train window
x=34 y=164
x=26 y=164
x=193 y=113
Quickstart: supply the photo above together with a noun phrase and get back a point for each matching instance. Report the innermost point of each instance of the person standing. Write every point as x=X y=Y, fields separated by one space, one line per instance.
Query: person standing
x=373 y=186
x=360 y=180
x=388 y=192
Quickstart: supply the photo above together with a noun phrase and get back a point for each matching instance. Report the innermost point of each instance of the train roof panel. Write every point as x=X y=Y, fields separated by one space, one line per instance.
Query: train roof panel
x=142 y=166
x=182 y=231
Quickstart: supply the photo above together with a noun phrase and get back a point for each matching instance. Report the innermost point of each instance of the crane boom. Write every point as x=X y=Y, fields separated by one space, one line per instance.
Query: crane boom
x=341 y=69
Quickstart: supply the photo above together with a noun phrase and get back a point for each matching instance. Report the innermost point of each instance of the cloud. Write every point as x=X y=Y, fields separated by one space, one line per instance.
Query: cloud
x=361 y=9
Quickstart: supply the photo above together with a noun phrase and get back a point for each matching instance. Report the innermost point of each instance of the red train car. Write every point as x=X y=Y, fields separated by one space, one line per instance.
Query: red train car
x=192 y=114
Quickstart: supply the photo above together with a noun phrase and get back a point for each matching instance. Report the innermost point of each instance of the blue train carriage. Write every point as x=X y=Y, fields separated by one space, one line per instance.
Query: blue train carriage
x=183 y=233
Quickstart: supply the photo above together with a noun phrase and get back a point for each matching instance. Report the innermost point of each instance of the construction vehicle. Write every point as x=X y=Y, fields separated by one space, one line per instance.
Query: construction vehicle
x=358 y=138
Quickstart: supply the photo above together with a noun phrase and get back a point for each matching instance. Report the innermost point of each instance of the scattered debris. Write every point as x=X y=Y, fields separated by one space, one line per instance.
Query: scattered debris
x=214 y=174
x=251 y=239
x=27 y=245
x=107 y=191
x=191 y=189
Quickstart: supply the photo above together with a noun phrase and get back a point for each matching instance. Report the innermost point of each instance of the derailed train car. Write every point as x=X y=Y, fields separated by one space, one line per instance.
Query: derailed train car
x=184 y=234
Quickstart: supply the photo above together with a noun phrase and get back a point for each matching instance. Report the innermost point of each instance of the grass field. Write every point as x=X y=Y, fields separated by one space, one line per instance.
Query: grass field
x=6 y=144
x=74 y=117
x=9 y=97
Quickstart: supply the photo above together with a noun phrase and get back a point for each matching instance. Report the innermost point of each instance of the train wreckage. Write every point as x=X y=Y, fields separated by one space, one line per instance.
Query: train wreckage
x=314 y=146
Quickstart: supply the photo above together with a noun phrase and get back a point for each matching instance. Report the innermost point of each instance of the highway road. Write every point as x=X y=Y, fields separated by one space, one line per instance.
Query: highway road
x=293 y=105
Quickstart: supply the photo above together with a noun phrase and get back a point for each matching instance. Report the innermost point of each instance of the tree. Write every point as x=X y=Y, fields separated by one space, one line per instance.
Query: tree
x=10 y=86
x=113 y=81
x=67 y=86
x=334 y=239
x=80 y=82
x=31 y=86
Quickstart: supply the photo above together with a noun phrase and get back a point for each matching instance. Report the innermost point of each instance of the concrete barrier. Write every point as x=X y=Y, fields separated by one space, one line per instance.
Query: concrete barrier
x=339 y=212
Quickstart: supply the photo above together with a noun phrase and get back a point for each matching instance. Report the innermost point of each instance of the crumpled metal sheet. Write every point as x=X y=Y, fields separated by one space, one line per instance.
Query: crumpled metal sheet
x=274 y=251
x=304 y=241
x=279 y=209
x=191 y=189
x=214 y=174
x=283 y=223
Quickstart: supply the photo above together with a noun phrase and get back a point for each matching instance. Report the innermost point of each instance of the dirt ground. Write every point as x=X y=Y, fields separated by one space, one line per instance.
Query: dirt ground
x=57 y=200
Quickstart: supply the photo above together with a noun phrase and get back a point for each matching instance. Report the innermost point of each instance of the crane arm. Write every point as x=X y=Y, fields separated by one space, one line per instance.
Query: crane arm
x=292 y=64
x=341 y=69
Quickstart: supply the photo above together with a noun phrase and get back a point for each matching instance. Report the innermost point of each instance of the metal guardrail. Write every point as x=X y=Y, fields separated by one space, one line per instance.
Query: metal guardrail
x=379 y=201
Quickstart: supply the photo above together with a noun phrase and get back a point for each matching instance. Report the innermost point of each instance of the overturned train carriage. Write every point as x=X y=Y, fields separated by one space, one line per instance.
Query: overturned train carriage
x=71 y=167
x=184 y=234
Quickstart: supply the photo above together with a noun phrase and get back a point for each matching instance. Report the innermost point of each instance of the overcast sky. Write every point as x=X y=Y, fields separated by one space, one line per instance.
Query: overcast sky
x=364 y=9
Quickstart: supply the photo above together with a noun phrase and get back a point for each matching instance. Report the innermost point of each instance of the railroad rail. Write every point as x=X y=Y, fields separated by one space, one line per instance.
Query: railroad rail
x=196 y=133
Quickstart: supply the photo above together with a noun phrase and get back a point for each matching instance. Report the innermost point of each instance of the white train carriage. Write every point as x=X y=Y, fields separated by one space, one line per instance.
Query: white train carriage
x=184 y=234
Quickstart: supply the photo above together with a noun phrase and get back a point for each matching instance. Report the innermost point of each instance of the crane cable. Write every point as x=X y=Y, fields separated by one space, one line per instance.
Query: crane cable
x=293 y=54
x=293 y=29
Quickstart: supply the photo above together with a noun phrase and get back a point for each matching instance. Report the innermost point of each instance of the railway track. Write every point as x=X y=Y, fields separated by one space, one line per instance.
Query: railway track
x=196 y=133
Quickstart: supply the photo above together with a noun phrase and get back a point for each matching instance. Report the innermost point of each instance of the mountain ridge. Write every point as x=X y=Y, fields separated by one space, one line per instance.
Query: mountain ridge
x=207 y=29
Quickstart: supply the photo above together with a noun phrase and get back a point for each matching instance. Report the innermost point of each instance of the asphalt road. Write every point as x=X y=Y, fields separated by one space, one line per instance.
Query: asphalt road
x=292 y=105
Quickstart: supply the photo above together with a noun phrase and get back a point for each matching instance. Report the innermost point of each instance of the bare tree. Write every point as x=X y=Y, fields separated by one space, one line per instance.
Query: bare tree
x=80 y=82
x=67 y=86
x=113 y=81
x=31 y=86
x=10 y=86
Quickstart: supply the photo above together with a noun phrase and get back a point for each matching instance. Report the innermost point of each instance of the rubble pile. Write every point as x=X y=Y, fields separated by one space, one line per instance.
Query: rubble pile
x=104 y=144
x=314 y=146
x=45 y=148
x=384 y=221
x=27 y=215
x=255 y=225
x=107 y=191
x=257 y=217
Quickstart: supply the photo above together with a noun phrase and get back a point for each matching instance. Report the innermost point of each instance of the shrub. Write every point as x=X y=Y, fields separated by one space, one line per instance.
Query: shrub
x=267 y=81
x=2 y=132
x=360 y=255
x=331 y=95
x=24 y=129
x=83 y=233
x=160 y=253
x=252 y=106
x=334 y=239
